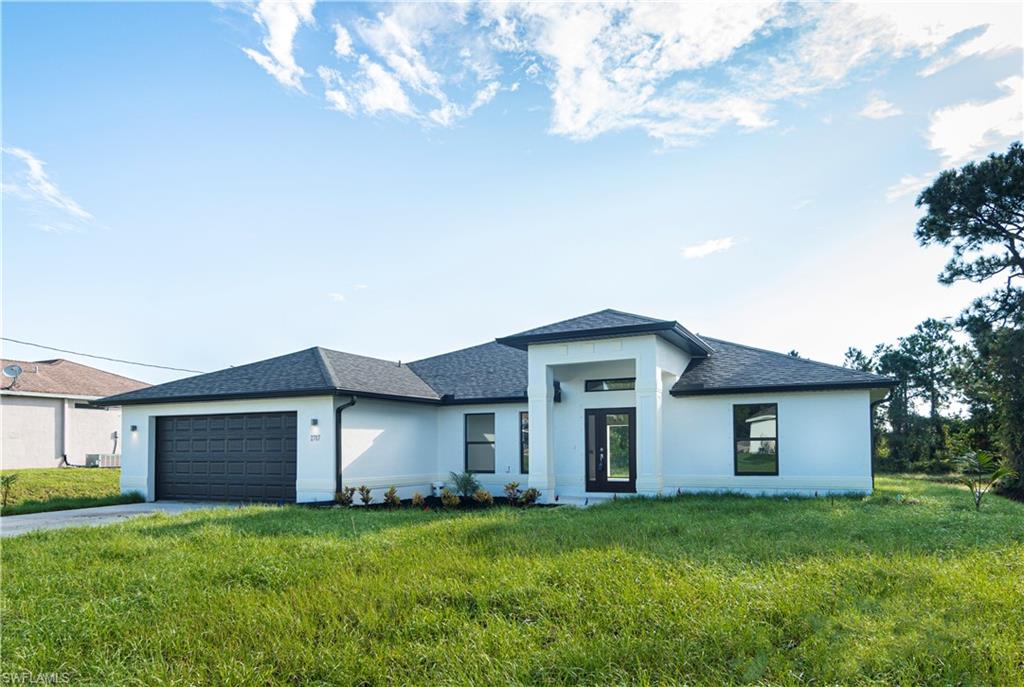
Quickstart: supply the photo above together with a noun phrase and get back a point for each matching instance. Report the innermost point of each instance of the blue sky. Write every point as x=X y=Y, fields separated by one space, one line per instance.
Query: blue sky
x=202 y=185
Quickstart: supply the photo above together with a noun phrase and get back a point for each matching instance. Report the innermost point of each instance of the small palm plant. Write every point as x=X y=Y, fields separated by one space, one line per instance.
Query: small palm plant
x=365 y=495
x=6 y=482
x=465 y=483
x=980 y=471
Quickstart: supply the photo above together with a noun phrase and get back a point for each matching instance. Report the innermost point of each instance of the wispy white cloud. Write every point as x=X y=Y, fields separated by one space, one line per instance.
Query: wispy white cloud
x=879 y=108
x=801 y=204
x=281 y=20
x=334 y=90
x=336 y=297
x=702 y=250
x=969 y=130
x=34 y=184
x=909 y=185
x=620 y=66
x=360 y=286
x=342 y=41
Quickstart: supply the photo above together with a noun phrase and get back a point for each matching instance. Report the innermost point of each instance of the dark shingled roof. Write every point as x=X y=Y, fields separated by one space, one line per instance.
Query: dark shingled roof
x=497 y=371
x=603 y=319
x=488 y=371
x=308 y=372
x=735 y=368
x=608 y=323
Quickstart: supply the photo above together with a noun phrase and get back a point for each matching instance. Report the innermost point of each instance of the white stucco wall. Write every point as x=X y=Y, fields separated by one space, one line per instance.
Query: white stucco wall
x=314 y=456
x=38 y=430
x=451 y=446
x=389 y=443
x=824 y=443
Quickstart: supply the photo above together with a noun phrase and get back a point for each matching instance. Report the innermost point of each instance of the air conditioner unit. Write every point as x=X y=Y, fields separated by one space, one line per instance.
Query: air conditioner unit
x=103 y=460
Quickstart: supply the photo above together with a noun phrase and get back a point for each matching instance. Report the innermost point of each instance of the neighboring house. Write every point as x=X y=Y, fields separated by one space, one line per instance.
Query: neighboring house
x=46 y=413
x=604 y=404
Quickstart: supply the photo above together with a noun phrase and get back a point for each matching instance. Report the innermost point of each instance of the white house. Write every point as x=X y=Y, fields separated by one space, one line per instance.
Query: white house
x=46 y=413
x=599 y=405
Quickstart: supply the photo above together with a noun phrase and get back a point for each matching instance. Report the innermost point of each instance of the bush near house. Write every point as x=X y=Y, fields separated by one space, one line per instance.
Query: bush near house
x=909 y=586
x=46 y=489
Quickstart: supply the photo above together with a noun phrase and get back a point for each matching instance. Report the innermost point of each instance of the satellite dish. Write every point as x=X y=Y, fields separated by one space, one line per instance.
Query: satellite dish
x=12 y=371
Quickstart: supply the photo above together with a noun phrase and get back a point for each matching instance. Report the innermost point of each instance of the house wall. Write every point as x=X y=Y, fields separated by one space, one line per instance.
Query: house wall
x=314 y=452
x=451 y=435
x=38 y=430
x=389 y=443
x=824 y=443
x=33 y=431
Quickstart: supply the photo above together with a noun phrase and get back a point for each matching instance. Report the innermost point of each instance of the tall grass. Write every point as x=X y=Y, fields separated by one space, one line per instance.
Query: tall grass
x=909 y=586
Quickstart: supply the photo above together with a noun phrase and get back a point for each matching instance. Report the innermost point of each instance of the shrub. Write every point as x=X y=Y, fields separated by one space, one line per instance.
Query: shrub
x=418 y=501
x=391 y=498
x=344 y=497
x=6 y=482
x=365 y=495
x=981 y=471
x=529 y=497
x=465 y=483
x=450 y=499
x=483 y=497
x=512 y=492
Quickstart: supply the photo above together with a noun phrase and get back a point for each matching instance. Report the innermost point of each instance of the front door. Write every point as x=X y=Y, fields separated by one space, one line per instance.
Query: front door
x=611 y=449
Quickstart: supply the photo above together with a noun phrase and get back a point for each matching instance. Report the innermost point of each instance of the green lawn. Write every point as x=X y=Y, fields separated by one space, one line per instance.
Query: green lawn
x=909 y=586
x=45 y=489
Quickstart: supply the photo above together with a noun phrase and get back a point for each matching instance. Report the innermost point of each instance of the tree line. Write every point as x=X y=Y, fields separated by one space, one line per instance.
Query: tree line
x=960 y=381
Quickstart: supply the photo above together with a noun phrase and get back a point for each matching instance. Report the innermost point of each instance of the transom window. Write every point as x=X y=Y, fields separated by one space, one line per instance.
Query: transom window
x=480 y=442
x=620 y=384
x=756 y=438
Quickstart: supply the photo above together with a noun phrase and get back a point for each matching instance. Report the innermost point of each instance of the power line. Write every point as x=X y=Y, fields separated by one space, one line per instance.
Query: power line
x=100 y=357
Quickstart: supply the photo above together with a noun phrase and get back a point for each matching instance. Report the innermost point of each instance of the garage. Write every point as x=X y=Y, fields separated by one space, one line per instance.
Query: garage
x=237 y=457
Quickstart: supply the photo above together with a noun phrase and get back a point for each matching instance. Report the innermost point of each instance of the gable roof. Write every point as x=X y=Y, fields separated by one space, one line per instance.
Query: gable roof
x=490 y=371
x=313 y=371
x=606 y=324
x=66 y=377
x=735 y=368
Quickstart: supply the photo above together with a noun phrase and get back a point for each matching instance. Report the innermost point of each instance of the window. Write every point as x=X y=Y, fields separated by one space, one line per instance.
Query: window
x=480 y=442
x=623 y=384
x=524 y=443
x=86 y=406
x=755 y=431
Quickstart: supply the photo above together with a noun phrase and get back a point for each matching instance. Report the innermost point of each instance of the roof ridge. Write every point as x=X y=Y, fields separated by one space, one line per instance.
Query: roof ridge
x=633 y=314
x=790 y=357
x=325 y=369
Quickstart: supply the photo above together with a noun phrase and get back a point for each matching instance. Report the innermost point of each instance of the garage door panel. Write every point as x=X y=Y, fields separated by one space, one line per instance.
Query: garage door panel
x=242 y=457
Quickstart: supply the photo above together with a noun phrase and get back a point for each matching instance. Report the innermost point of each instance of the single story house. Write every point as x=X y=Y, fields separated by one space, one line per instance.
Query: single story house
x=600 y=405
x=46 y=414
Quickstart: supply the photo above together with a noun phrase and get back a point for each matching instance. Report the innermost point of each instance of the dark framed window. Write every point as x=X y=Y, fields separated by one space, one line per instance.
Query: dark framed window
x=620 y=384
x=755 y=438
x=524 y=443
x=86 y=406
x=480 y=442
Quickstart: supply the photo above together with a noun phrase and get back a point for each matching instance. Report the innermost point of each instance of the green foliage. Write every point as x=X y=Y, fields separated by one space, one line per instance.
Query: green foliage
x=391 y=498
x=365 y=495
x=980 y=471
x=483 y=497
x=698 y=590
x=978 y=211
x=6 y=482
x=418 y=501
x=465 y=483
x=529 y=497
x=48 y=489
x=450 y=499
x=512 y=492
x=345 y=496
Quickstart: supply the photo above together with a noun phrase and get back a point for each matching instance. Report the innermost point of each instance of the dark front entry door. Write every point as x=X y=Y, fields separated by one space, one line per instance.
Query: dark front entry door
x=611 y=449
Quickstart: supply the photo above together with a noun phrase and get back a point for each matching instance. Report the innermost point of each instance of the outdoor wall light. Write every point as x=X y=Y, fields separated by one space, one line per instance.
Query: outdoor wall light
x=314 y=427
x=134 y=428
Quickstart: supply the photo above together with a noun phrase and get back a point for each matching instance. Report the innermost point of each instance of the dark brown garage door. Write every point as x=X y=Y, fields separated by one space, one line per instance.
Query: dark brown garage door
x=248 y=457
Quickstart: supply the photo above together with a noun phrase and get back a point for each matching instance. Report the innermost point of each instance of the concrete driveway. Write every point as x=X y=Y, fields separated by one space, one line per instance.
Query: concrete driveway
x=13 y=525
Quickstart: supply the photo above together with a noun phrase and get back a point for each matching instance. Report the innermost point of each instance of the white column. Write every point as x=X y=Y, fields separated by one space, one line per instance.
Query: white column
x=541 y=406
x=650 y=477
